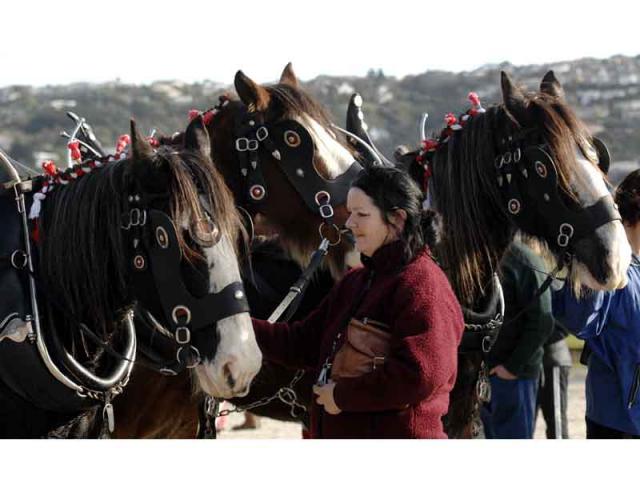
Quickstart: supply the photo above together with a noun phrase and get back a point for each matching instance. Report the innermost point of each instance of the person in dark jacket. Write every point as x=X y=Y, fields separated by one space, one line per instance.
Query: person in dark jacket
x=609 y=322
x=399 y=285
x=515 y=360
x=553 y=393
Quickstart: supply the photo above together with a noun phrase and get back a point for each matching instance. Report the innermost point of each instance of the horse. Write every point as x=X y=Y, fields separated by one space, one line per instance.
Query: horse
x=154 y=233
x=527 y=164
x=287 y=166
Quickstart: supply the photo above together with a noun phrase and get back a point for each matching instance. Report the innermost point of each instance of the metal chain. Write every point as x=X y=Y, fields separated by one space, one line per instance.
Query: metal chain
x=286 y=395
x=490 y=325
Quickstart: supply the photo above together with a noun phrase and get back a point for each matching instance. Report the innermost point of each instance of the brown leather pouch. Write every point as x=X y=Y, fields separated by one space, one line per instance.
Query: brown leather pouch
x=364 y=349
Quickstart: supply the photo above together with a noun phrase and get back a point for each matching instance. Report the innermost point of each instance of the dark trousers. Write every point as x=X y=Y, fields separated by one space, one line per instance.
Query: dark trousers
x=511 y=411
x=597 y=431
x=554 y=386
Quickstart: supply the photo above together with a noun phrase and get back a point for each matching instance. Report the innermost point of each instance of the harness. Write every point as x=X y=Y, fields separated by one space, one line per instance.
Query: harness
x=528 y=183
x=155 y=266
x=291 y=146
x=34 y=341
x=189 y=322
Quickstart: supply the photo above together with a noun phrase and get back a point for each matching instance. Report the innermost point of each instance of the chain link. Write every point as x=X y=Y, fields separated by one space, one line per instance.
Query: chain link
x=490 y=325
x=286 y=395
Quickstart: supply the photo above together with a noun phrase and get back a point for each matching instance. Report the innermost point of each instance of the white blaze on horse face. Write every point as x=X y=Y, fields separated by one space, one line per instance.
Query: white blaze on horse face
x=590 y=186
x=334 y=156
x=238 y=358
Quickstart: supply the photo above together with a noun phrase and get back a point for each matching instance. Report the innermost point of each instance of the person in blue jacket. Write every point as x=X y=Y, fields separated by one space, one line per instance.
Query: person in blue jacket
x=609 y=322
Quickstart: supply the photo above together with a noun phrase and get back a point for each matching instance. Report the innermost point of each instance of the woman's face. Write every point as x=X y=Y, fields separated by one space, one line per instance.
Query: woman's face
x=366 y=223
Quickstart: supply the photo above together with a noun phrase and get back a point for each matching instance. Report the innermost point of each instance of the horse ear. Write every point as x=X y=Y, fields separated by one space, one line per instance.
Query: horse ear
x=252 y=95
x=288 y=76
x=139 y=145
x=196 y=137
x=512 y=97
x=551 y=86
x=142 y=165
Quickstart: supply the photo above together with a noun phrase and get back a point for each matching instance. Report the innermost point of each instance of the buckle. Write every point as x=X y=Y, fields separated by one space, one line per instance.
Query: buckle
x=378 y=361
x=322 y=197
x=326 y=211
x=242 y=144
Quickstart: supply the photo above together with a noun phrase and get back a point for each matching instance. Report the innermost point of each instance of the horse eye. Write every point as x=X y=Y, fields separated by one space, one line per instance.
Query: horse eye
x=205 y=232
x=292 y=138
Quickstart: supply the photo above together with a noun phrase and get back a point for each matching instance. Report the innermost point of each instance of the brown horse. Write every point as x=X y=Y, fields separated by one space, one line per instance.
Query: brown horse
x=527 y=164
x=300 y=130
x=158 y=231
x=217 y=328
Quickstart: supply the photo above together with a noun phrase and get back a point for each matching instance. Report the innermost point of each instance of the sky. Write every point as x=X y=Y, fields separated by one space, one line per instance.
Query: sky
x=140 y=42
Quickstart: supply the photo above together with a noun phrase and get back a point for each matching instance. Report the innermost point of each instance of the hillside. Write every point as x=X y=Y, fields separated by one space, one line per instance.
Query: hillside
x=606 y=94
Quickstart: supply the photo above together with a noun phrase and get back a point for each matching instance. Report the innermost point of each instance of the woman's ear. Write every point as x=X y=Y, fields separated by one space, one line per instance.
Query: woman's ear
x=398 y=218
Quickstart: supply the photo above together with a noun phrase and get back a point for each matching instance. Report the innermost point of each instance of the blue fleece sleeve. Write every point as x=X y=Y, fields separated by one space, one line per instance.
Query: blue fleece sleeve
x=584 y=317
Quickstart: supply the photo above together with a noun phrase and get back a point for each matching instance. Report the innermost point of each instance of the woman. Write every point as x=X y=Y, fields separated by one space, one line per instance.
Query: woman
x=406 y=393
x=609 y=322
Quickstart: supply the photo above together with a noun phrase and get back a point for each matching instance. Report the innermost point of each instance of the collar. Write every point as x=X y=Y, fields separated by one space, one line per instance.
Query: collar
x=388 y=258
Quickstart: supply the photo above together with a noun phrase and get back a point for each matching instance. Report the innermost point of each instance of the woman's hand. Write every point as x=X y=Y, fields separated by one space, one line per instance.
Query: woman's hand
x=502 y=373
x=325 y=397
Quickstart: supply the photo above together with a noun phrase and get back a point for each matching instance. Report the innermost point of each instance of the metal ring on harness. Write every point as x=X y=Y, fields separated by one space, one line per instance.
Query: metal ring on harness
x=335 y=228
x=191 y=360
x=326 y=211
x=322 y=198
x=486 y=344
x=262 y=133
x=14 y=259
x=566 y=232
x=517 y=155
x=183 y=335
x=179 y=312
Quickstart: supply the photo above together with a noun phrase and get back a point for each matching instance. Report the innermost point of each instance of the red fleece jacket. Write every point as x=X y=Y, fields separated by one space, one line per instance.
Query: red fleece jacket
x=417 y=302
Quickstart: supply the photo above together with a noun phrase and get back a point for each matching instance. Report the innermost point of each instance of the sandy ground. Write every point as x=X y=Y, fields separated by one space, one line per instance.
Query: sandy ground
x=272 y=429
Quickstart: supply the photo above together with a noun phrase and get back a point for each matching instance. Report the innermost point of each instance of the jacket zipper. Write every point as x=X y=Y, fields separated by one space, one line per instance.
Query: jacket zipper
x=635 y=386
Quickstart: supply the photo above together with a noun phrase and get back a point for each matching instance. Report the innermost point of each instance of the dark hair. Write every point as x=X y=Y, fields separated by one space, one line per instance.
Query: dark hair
x=392 y=189
x=628 y=198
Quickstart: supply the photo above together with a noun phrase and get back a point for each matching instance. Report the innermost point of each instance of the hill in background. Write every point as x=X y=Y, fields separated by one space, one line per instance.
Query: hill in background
x=605 y=93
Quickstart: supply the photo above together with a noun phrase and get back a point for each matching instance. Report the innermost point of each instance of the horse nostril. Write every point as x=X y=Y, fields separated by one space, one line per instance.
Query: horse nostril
x=226 y=371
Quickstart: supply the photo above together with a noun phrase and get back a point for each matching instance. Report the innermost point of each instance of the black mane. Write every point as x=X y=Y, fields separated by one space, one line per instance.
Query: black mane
x=83 y=255
x=476 y=230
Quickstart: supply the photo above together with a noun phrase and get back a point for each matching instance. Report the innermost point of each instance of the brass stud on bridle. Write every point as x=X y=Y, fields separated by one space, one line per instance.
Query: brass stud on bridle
x=292 y=138
x=162 y=237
